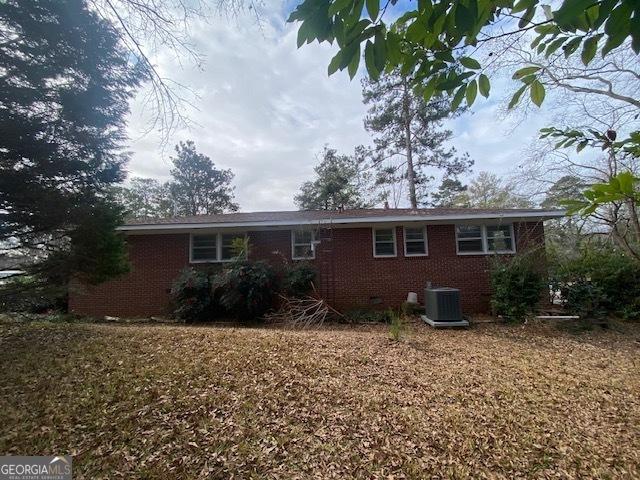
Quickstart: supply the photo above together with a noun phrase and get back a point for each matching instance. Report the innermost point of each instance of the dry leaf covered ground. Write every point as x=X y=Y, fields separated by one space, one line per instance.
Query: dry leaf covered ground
x=144 y=401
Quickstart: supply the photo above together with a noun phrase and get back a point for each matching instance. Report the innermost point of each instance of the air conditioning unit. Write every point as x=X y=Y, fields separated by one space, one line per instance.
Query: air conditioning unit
x=442 y=307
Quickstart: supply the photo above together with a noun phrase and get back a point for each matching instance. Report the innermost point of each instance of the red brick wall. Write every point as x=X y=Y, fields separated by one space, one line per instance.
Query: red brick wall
x=156 y=260
x=349 y=275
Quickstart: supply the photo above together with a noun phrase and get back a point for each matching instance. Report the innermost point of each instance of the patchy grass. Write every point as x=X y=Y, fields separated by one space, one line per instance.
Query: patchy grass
x=158 y=401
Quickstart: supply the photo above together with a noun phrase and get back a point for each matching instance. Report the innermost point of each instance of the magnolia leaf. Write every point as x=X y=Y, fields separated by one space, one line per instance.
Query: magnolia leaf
x=457 y=99
x=516 y=96
x=470 y=63
x=429 y=89
x=464 y=17
x=338 y=5
x=354 y=63
x=626 y=181
x=571 y=46
x=581 y=145
x=303 y=33
x=449 y=83
x=618 y=26
x=335 y=63
x=380 y=50
x=537 y=92
x=527 y=17
x=589 y=49
x=570 y=11
x=523 y=72
x=369 y=61
x=484 y=85
x=553 y=46
x=472 y=91
x=614 y=41
x=522 y=5
x=635 y=33
x=373 y=7
x=438 y=25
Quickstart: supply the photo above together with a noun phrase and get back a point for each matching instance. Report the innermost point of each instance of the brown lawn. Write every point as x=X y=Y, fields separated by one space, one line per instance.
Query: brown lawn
x=145 y=401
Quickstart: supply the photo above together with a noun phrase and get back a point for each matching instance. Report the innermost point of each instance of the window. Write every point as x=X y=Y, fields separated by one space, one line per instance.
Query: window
x=415 y=241
x=204 y=248
x=228 y=246
x=384 y=242
x=214 y=247
x=499 y=238
x=481 y=239
x=469 y=239
x=302 y=245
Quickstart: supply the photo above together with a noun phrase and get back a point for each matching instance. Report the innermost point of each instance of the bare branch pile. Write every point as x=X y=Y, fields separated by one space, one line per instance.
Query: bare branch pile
x=305 y=312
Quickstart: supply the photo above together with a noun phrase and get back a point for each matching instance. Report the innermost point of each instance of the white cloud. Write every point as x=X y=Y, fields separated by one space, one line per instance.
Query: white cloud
x=496 y=144
x=265 y=109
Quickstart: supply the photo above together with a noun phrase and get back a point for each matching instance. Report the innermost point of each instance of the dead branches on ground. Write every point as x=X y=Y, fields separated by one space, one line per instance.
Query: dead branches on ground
x=303 y=313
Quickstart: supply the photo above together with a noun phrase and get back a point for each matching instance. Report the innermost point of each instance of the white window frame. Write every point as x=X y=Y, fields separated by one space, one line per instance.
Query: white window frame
x=485 y=242
x=424 y=240
x=395 y=241
x=218 y=235
x=235 y=234
x=312 y=245
x=511 y=236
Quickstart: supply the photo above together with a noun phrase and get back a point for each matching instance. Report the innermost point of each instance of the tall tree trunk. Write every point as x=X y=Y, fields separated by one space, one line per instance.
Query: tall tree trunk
x=406 y=118
x=635 y=222
x=624 y=244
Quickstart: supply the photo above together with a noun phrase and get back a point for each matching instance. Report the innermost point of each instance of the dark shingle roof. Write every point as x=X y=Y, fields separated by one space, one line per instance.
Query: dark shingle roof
x=374 y=214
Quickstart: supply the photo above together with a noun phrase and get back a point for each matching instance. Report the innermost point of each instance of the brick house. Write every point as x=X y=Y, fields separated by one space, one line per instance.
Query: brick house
x=368 y=257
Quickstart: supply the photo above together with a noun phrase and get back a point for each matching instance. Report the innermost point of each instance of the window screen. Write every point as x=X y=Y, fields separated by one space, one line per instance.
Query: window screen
x=469 y=238
x=204 y=247
x=302 y=244
x=415 y=241
x=499 y=238
x=384 y=242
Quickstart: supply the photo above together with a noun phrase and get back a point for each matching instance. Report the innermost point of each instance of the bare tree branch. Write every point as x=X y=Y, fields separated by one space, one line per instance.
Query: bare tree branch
x=149 y=27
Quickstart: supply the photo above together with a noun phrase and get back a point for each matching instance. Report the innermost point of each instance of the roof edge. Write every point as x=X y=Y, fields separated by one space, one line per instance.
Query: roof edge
x=541 y=215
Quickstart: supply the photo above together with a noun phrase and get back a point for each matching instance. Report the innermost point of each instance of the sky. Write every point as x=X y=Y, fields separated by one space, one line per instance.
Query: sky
x=265 y=109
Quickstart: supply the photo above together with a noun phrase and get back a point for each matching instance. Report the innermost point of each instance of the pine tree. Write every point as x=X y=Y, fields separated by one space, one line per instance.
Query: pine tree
x=198 y=187
x=409 y=137
x=449 y=193
x=338 y=184
x=146 y=197
x=64 y=91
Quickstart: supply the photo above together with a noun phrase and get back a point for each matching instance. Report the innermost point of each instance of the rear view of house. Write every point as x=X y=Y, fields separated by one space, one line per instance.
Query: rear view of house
x=364 y=258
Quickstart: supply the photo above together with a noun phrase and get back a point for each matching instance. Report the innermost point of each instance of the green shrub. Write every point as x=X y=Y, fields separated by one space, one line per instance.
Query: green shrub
x=598 y=282
x=192 y=297
x=246 y=289
x=517 y=286
x=298 y=279
x=585 y=299
x=27 y=294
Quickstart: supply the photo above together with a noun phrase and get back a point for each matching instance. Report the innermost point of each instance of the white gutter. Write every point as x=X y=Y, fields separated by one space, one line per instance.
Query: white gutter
x=340 y=221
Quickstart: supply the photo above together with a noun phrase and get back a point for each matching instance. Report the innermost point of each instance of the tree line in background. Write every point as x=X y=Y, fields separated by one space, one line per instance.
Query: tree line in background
x=341 y=182
x=197 y=187
x=409 y=146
